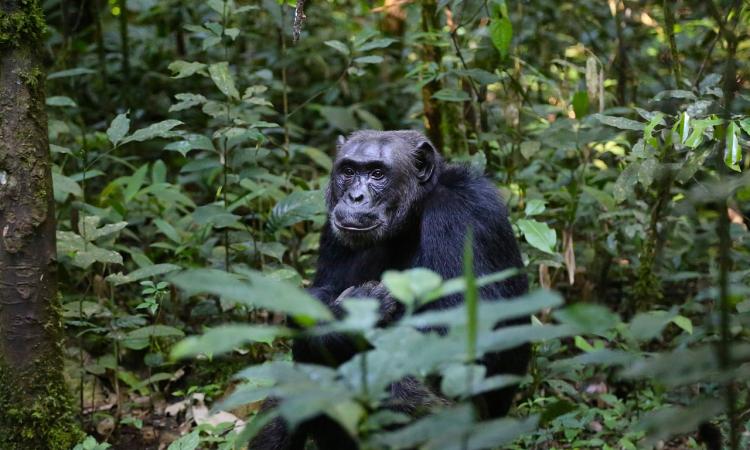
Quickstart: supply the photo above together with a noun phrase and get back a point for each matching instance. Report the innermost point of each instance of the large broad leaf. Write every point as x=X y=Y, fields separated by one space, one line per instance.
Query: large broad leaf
x=411 y=284
x=490 y=312
x=672 y=420
x=625 y=182
x=187 y=442
x=297 y=207
x=142 y=273
x=649 y=325
x=538 y=235
x=588 y=318
x=376 y=43
x=619 y=122
x=254 y=290
x=501 y=33
x=339 y=117
x=139 y=338
x=223 y=79
x=84 y=253
x=64 y=186
x=685 y=366
x=182 y=69
x=454 y=420
x=338 y=46
x=224 y=338
x=157 y=130
x=451 y=95
x=373 y=59
x=61 y=100
x=118 y=128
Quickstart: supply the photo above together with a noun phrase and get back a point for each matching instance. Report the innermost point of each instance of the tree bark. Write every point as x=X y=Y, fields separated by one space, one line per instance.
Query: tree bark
x=35 y=407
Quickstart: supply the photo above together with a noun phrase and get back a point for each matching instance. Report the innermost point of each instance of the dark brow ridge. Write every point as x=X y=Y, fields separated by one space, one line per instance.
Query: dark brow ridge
x=369 y=164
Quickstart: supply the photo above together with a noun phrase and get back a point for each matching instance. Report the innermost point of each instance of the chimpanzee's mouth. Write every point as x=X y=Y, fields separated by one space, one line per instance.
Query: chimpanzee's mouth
x=355 y=228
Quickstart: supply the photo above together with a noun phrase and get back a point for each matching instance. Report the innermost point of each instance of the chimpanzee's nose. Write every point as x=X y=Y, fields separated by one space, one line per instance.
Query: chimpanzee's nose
x=356 y=197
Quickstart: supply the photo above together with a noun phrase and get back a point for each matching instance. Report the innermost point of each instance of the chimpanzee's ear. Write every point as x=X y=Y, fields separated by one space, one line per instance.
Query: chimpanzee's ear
x=424 y=161
x=340 y=141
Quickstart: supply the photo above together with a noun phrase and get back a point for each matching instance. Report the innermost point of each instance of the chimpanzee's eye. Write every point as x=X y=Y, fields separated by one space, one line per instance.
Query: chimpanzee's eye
x=377 y=174
x=348 y=172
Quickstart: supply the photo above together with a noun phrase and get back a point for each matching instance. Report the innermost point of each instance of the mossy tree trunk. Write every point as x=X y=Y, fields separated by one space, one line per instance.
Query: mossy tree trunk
x=35 y=407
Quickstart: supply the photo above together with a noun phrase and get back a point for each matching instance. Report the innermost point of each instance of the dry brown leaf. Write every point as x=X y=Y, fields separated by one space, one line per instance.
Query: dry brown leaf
x=569 y=256
x=175 y=408
x=736 y=217
x=544 y=279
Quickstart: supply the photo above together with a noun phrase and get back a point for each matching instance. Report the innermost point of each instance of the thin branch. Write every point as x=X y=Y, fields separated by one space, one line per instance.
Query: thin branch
x=675 y=57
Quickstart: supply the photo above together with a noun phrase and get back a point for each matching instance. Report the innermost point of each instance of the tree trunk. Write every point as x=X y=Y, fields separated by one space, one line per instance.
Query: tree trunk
x=35 y=407
x=431 y=53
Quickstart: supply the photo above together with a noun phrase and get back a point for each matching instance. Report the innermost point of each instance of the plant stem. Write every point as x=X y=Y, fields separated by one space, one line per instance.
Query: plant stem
x=675 y=57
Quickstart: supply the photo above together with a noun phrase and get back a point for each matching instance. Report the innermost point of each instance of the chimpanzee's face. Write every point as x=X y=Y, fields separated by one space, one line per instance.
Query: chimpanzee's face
x=372 y=187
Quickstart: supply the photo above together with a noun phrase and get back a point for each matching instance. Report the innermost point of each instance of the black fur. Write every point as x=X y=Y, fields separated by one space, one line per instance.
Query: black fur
x=432 y=218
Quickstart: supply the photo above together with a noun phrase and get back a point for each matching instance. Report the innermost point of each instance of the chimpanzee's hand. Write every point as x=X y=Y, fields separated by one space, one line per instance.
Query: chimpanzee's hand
x=390 y=309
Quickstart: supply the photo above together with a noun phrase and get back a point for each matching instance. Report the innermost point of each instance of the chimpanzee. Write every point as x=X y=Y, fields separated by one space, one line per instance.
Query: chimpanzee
x=393 y=203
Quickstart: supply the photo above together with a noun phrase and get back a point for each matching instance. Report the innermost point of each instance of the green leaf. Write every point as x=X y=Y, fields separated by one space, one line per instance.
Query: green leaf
x=619 y=122
x=491 y=312
x=625 y=182
x=674 y=94
x=602 y=197
x=649 y=325
x=64 y=186
x=60 y=101
x=538 y=235
x=588 y=318
x=187 y=442
x=732 y=152
x=153 y=270
x=158 y=130
x=223 y=79
x=745 y=125
x=647 y=171
x=183 y=69
x=581 y=104
x=676 y=420
x=411 y=284
x=225 y=338
x=118 y=128
x=154 y=331
x=530 y=148
x=373 y=59
x=187 y=100
x=191 y=142
x=254 y=290
x=70 y=73
x=84 y=253
x=297 y=207
x=340 y=117
x=555 y=410
x=451 y=95
x=338 y=46
x=89 y=228
x=501 y=34
x=534 y=206
x=471 y=298
x=376 y=43
x=684 y=125
x=135 y=182
x=684 y=323
x=168 y=230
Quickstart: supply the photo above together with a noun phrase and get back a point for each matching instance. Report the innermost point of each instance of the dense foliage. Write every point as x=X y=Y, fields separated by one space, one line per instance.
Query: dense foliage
x=192 y=142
